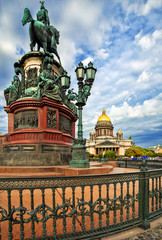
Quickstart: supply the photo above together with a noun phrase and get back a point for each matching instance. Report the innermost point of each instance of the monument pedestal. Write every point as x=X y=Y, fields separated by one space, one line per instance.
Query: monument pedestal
x=40 y=132
x=41 y=120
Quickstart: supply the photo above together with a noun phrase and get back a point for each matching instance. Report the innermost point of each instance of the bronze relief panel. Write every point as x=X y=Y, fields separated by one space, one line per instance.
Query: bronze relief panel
x=26 y=119
x=51 y=118
x=65 y=124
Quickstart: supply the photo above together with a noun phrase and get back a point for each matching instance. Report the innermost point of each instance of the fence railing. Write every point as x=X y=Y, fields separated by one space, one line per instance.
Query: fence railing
x=79 y=207
x=129 y=163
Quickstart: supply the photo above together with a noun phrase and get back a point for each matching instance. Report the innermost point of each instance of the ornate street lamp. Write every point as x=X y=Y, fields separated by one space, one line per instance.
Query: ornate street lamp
x=65 y=81
x=90 y=72
x=84 y=86
x=65 y=84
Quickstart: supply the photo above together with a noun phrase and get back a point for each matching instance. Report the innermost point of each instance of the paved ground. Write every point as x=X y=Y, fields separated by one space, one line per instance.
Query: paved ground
x=155 y=234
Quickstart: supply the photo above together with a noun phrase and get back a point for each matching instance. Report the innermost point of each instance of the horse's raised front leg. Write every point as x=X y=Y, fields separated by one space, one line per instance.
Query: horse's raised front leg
x=32 y=44
x=45 y=46
x=56 y=53
x=38 y=47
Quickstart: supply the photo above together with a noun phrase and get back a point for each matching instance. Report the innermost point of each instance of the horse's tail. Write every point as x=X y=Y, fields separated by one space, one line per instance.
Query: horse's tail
x=27 y=16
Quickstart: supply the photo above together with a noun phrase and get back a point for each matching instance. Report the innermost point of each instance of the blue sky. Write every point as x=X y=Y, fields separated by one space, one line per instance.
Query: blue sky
x=123 y=39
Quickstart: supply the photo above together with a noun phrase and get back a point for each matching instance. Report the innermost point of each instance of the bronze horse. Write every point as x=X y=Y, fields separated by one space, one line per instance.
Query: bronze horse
x=45 y=37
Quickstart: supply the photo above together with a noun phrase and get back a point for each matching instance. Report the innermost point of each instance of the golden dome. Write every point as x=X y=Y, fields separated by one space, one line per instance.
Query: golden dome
x=103 y=117
x=119 y=131
x=92 y=132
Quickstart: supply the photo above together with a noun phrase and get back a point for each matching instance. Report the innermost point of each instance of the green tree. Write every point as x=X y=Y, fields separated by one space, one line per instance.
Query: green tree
x=99 y=155
x=90 y=154
x=110 y=154
x=139 y=151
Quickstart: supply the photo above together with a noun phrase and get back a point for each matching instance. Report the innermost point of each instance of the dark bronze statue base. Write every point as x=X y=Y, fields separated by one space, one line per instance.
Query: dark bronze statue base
x=35 y=155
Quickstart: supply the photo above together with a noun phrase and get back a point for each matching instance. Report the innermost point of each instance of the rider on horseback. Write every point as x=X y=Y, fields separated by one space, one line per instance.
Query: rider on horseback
x=43 y=17
x=41 y=32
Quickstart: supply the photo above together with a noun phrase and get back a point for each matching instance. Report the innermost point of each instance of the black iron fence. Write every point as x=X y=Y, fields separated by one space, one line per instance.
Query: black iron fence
x=79 y=207
x=130 y=163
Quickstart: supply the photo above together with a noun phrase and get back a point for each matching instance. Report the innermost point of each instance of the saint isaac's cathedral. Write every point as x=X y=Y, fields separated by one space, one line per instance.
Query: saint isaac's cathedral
x=103 y=139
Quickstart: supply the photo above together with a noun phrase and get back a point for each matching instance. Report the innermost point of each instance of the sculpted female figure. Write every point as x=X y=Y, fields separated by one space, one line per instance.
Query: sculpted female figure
x=47 y=86
x=13 y=92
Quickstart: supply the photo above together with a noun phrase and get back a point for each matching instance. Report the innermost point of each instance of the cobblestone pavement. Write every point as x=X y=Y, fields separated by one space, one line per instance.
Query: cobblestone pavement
x=153 y=234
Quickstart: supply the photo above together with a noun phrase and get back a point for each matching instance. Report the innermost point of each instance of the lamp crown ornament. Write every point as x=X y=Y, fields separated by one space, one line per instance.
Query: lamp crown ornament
x=80 y=64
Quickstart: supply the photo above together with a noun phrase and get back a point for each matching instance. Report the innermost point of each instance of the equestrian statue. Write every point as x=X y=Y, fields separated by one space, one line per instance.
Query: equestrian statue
x=41 y=32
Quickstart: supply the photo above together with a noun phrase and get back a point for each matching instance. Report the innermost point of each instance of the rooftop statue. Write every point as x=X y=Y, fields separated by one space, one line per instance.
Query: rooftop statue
x=41 y=32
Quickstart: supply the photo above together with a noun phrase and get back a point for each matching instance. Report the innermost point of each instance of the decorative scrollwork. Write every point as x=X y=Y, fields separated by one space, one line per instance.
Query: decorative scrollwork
x=3 y=215
x=20 y=211
x=116 y=203
x=43 y=208
x=65 y=208
x=86 y=208
x=129 y=200
x=155 y=193
x=80 y=208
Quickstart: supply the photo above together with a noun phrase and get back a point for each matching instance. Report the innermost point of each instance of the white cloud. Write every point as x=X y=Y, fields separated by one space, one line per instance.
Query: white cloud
x=150 y=5
x=138 y=36
x=67 y=51
x=102 y=54
x=7 y=47
x=87 y=60
x=3 y=121
x=151 y=107
x=144 y=77
x=80 y=20
x=2 y=99
x=148 y=41
x=82 y=13
x=140 y=8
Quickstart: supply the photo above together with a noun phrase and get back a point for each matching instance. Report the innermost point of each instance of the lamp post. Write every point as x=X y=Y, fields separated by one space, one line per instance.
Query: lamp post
x=84 y=86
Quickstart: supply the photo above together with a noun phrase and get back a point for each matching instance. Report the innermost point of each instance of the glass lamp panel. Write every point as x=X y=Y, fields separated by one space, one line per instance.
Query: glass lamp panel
x=80 y=72
x=65 y=81
x=68 y=81
x=90 y=73
x=93 y=73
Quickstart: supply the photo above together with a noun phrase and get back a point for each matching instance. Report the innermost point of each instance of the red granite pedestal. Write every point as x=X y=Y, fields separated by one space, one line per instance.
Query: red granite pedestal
x=40 y=133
